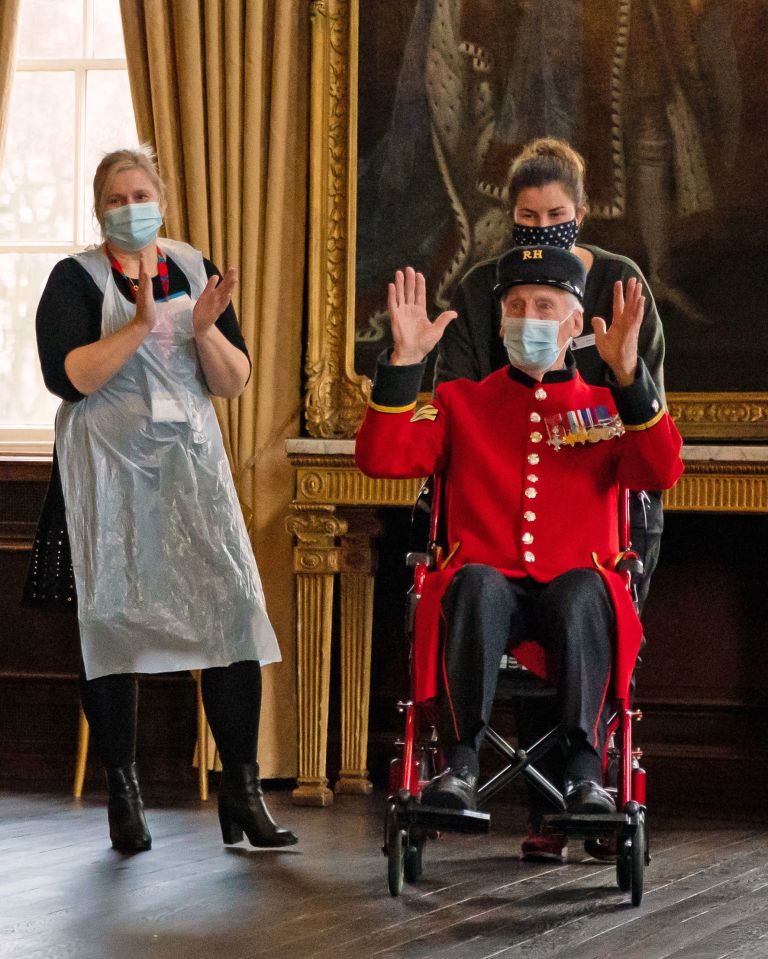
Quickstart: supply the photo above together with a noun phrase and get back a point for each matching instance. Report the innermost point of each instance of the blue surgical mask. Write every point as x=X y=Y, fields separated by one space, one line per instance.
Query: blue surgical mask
x=532 y=344
x=133 y=226
x=562 y=235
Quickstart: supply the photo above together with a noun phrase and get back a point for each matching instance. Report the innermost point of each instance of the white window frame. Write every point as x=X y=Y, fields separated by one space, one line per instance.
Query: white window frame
x=25 y=441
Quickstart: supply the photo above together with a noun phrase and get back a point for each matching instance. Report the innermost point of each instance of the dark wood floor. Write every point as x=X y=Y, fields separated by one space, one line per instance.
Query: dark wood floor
x=64 y=894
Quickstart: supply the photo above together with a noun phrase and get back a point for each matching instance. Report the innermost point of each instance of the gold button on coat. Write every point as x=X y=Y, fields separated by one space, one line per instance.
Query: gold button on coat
x=527 y=538
x=535 y=437
x=533 y=458
x=535 y=418
x=530 y=492
x=529 y=557
x=540 y=394
x=529 y=516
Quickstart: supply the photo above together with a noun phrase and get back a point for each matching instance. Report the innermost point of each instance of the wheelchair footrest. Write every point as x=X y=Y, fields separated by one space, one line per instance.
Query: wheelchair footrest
x=586 y=825
x=444 y=820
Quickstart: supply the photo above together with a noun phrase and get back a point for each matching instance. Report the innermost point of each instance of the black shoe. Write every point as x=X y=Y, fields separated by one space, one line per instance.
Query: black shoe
x=587 y=796
x=125 y=810
x=242 y=810
x=452 y=789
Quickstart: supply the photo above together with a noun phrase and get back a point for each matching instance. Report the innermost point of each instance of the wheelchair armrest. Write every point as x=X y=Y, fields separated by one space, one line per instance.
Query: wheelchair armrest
x=412 y=560
x=632 y=567
x=420 y=563
x=630 y=563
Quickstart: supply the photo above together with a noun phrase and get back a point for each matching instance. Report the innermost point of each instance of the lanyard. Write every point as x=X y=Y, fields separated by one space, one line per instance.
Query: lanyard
x=162 y=272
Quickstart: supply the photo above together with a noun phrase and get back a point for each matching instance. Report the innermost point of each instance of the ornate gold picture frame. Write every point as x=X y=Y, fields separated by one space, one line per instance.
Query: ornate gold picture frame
x=335 y=393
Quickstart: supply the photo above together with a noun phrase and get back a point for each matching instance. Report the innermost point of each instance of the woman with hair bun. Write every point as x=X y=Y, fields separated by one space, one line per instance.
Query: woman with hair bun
x=548 y=199
x=135 y=335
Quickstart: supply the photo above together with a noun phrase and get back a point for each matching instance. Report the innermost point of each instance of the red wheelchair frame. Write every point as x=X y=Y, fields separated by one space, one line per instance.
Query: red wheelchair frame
x=409 y=823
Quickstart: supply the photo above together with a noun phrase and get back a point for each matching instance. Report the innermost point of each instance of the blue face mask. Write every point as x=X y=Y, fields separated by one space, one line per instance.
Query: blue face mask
x=532 y=344
x=133 y=226
x=562 y=235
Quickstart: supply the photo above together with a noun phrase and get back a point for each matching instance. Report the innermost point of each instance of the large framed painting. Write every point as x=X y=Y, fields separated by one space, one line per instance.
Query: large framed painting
x=419 y=106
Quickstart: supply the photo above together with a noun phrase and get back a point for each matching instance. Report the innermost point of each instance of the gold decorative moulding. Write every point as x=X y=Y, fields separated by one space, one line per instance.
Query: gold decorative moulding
x=336 y=394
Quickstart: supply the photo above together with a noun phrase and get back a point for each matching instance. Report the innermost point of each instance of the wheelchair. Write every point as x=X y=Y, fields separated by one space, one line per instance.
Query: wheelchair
x=409 y=823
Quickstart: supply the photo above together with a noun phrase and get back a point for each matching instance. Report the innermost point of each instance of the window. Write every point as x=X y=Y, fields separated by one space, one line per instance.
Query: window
x=70 y=104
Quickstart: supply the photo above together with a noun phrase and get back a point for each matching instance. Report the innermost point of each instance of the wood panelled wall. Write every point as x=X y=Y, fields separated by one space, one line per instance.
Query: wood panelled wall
x=703 y=683
x=39 y=665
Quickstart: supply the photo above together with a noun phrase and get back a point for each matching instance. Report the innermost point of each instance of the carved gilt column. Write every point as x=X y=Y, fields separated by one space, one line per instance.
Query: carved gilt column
x=315 y=561
x=358 y=566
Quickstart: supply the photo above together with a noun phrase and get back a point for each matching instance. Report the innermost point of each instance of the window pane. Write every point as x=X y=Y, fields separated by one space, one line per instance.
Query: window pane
x=107 y=29
x=37 y=175
x=23 y=397
x=51 y=28
x=109 y=125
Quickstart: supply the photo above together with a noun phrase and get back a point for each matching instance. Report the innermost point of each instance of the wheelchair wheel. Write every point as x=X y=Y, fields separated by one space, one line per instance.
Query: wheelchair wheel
x=394 y=847
x=624 y=864
x=638 y=861
x=413 y=864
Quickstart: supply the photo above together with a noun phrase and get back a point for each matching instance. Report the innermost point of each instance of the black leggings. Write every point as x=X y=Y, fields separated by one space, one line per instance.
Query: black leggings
x=232 y=699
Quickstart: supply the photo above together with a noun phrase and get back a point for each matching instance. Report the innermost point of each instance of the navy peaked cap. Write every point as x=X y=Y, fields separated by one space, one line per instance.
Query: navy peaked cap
x=547 y=265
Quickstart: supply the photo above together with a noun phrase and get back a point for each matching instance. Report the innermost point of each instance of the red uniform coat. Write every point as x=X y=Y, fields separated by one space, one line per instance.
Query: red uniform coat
x=512 y=499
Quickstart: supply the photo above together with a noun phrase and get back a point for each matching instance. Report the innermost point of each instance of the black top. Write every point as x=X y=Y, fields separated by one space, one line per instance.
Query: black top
x=71 y=295
x=472 y=348
x=69 y=316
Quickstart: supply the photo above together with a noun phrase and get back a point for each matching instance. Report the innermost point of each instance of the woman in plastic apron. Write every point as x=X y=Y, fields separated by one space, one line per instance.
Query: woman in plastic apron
x=135 y=336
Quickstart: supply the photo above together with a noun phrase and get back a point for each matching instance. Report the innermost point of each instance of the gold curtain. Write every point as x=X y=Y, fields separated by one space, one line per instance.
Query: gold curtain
x=220 y=89
x=9 y=21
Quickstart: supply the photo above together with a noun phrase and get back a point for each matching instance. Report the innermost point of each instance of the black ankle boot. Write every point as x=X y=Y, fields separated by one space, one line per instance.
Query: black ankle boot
x=242 y=809
x=127 y=825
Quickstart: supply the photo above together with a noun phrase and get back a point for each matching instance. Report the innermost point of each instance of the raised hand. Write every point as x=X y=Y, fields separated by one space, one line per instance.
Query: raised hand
x=212 y=302
x=617 y=345
x=412 y=332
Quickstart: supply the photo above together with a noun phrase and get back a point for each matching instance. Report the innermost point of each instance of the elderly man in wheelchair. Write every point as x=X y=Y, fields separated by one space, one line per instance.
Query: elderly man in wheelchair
x=533 y=459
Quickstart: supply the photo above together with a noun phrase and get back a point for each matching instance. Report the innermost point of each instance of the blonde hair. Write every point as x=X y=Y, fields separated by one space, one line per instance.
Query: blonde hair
x=115 y=162
x=548 y=160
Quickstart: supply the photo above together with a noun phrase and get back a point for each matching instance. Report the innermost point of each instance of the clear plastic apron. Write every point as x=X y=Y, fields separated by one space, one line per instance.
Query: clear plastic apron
x=165 y=573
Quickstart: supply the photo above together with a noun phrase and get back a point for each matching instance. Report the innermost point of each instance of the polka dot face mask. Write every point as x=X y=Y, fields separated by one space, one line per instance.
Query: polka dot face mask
x=561 y=235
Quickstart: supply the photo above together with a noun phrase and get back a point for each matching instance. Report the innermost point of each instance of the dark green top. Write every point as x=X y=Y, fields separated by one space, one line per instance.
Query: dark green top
x=472 y=348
